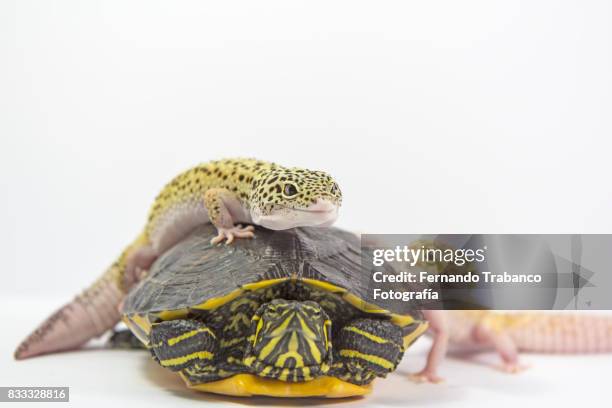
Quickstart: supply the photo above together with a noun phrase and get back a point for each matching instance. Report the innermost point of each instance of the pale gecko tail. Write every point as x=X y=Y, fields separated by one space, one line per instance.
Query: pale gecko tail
x=562 y=332
x=89 y=315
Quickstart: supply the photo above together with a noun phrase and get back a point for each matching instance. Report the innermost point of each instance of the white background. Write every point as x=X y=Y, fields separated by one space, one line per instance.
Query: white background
x=437 y=116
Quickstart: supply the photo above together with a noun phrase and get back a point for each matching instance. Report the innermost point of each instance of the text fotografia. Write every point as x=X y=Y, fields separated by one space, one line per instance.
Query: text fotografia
x=429 y=278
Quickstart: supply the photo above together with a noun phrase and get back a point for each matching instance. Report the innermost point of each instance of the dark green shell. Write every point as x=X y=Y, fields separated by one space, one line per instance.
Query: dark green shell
x=194 y=271
x=221 y=287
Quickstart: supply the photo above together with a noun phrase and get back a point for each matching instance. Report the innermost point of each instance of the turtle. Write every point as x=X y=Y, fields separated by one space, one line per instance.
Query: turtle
x=286 y=314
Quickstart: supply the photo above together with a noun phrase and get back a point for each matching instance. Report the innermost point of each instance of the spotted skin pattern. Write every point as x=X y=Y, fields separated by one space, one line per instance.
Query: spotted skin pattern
x=225 y=193
x=234 y=190
x=256 y=184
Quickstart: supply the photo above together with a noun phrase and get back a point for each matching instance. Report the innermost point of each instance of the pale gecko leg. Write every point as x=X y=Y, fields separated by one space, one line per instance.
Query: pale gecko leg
x=439 y=327
x=216 y=201
x=503 y=344
x=138 y=263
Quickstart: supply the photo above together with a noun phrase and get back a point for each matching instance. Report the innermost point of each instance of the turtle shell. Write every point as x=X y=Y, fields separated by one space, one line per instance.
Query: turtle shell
x=194 y=271
x=197 y=275
x=195 y=278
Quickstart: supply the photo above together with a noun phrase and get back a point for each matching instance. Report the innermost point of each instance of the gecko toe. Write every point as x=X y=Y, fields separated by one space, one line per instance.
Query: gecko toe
x=230 y=234
x=217 y=239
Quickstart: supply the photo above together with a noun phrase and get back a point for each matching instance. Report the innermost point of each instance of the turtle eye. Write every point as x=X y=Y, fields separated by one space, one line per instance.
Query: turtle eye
x=334 y=190
x=290 y=190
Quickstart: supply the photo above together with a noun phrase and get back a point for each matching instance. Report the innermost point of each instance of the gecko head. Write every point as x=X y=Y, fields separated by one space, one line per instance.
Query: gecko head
x=285 y=198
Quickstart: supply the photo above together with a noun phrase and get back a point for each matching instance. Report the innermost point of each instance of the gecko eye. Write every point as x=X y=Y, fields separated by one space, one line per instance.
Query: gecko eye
x=334 y=189
x=290 y=190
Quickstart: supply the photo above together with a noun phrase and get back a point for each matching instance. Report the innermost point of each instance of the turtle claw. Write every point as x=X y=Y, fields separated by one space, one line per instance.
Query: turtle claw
x=230 y=234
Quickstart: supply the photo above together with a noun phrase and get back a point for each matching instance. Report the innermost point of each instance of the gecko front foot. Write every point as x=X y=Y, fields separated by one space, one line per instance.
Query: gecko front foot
x=237 y=231
x=426 y=376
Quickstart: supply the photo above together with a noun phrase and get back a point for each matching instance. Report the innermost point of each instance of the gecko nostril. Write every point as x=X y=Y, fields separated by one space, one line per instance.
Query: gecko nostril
x=322 y=204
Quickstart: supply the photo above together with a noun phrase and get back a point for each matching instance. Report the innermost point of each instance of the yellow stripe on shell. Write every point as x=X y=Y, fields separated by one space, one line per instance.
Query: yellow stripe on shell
x=363 y=305
x=327 y=287
x=137 y=329
x=214 y=303
x=402 y=320
x=409 y=338
x=263 y=284
x=173 y=314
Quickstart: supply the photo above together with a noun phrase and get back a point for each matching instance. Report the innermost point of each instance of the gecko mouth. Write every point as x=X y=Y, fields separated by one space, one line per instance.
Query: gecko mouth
x=320 y=206
x=312 y=211
x=323 y=213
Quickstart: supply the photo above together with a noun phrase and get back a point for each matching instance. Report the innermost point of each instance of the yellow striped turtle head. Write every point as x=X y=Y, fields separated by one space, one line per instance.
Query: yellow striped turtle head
x=283 y=198
x=290 y=340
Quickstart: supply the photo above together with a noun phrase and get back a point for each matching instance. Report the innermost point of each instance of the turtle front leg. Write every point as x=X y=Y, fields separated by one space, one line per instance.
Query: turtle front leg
x=181 y=344
x=219 y=202
x=124 y=339
x=367 y=348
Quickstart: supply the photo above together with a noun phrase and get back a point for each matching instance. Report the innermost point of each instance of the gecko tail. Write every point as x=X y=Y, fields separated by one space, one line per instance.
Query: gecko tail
x=563 y=333
x=90 y=314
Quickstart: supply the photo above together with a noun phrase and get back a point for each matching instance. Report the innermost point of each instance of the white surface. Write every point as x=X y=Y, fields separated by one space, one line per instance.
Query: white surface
x=435 y=117
x=108 y=378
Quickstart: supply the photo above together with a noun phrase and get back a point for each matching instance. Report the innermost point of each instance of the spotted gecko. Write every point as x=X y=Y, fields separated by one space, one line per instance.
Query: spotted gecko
x=509 y=333
x=225 y=193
